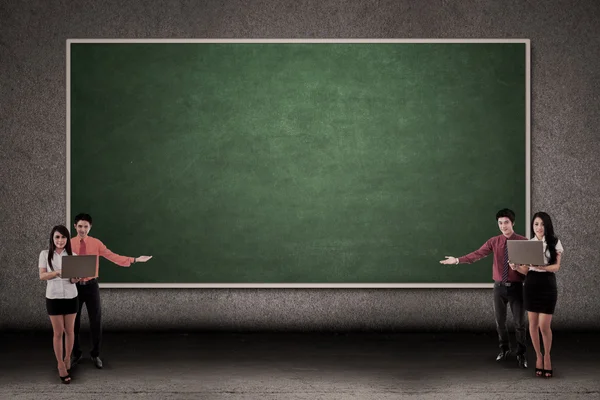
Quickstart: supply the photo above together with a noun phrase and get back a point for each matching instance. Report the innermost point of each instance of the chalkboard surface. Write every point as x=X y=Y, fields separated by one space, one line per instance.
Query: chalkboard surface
x=297 y=163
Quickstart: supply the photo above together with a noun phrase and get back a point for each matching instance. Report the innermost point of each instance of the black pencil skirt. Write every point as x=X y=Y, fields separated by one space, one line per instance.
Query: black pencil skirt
x=539 y=292
x=62 y=306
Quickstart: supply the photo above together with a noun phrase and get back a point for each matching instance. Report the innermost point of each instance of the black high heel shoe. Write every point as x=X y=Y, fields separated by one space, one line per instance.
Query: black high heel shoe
x=548 y=373
x=65 y=379
x=539 y=372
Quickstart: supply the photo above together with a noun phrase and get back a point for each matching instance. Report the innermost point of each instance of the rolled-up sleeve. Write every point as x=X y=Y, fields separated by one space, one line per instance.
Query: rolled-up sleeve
x=478 y=254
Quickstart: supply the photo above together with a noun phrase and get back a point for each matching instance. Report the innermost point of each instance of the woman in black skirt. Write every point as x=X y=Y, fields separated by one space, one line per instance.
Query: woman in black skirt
x=539 y=291
x=61 y=298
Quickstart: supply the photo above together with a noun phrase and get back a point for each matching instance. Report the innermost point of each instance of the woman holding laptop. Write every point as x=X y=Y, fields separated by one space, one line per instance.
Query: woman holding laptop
x=61 y=297
x=540 y=291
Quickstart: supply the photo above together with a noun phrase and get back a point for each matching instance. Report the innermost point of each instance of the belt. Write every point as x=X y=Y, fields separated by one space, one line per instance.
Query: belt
x=508 y=284
x=86 y=282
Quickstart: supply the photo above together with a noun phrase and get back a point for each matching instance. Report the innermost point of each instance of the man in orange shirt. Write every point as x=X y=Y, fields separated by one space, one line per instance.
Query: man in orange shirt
x=88 y=289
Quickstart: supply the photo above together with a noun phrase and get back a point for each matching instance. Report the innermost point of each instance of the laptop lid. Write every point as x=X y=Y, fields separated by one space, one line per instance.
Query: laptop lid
x=78 y=266
x=526 y=252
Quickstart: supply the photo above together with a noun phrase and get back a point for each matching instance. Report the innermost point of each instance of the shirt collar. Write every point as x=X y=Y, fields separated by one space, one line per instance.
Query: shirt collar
x=511 y=236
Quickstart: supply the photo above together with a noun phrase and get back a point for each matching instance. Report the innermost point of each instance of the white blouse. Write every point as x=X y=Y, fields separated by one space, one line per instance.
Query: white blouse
x=57 y=288
x=559 y=250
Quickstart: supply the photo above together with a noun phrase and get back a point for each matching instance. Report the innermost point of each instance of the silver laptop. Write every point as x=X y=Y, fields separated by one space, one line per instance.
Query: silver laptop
x=526 y=252
x=78 y=267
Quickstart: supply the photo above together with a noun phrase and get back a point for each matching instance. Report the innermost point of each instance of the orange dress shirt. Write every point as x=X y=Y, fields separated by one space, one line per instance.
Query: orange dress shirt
x=95 y=247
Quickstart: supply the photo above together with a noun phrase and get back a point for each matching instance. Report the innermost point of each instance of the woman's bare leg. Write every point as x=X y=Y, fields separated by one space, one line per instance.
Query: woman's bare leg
x=545 y=321
x=58 y=324
x=534 y=333
x=69 y=338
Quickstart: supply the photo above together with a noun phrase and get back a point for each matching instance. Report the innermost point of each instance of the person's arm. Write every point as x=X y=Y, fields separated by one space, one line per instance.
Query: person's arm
x=520 y=268
x=470 y=258
x=43 y=268
x=46 y=275
x=123 y=261
x=554 y=267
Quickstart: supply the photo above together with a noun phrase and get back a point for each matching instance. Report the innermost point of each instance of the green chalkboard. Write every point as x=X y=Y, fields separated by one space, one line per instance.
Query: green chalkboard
x=297 y=162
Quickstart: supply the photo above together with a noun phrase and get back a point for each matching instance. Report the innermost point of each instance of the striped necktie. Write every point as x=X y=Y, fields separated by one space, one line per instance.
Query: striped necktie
x=505 y=265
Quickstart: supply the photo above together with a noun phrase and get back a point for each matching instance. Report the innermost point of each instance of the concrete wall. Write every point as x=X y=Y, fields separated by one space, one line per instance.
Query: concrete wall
x=565 y=147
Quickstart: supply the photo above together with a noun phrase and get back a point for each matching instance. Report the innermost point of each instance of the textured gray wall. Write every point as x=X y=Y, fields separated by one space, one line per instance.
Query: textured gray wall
x=565 y=147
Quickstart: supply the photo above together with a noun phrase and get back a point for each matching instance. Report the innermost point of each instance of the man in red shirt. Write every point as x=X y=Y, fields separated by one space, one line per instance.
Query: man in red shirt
x=508 y=285
x=88 y=289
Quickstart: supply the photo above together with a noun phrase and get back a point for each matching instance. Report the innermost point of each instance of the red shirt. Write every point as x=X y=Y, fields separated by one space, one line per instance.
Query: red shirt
x=494 y=245
x=95 y=247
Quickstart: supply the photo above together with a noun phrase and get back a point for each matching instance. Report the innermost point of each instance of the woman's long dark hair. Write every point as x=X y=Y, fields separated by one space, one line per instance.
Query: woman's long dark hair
x=65 y=232
x=551 y=239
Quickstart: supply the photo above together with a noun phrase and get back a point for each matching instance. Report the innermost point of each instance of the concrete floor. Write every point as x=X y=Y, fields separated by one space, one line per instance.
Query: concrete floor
x=298 y=366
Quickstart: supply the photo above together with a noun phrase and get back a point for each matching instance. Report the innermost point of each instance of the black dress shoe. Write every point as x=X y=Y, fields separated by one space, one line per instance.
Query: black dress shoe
x=75 y=359
x=97 y=362
x=503 y=356
x=522 y=360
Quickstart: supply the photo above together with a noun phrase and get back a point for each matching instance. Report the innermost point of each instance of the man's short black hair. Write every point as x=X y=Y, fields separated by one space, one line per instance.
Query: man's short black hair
x=505 y=212
x=83 y=217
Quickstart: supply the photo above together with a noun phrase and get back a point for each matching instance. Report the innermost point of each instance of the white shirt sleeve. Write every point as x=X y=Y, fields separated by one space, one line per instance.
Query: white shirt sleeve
x=559 y=247
x=43 y=263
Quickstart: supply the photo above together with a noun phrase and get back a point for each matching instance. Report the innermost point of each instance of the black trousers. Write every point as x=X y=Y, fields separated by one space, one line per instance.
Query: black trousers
x=513 y=296
x=90 y=296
